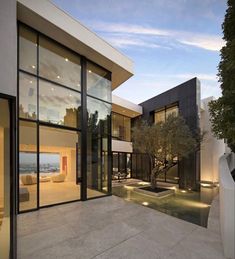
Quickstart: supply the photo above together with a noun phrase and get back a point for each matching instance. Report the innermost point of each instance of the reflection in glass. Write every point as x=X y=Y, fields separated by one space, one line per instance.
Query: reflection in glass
x=27 y=165
x=98 y=82
x=172 y=111
x=121 y=127
x=59 y=105
x=27 y=50
x=127 y=128
x=97 y=146
x=159 y=116
x=59 y=64
x=59 y=153
x=27 y=96
x=5 y=212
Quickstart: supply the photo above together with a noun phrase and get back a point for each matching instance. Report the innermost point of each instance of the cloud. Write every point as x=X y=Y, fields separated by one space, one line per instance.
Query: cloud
x=186 y=76
x=123 y=32
x=122 y=42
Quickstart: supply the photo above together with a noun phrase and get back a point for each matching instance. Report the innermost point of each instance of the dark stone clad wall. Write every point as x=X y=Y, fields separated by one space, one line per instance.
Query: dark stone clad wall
x=187 y=95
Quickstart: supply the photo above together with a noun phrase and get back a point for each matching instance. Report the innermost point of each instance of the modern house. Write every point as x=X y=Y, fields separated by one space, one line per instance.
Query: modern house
x=200 y=168
x=55 y=111
x=62 y=133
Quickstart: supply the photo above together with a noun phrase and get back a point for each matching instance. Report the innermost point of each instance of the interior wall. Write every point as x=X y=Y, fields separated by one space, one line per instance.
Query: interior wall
x=1 y=167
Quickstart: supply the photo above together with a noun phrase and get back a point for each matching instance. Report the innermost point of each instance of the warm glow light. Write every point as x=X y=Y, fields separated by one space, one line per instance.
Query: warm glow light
x=31 y=82
x=78 y=85
x=195 y=204
x=89 y=71
x=58 y=77
x=70 y=95
x=33 y=67
x=66 y=59
x=206 y=185
x=52 y=89
x=128 y=187
x=143 y=183
x=145 y=203
x=183 y=191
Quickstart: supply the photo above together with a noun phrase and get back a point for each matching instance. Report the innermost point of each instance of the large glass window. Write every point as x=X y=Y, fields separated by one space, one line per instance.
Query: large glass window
x=5 y=202
x=27 y=96
x=59 y=105
x=27 y=50
x=58 y=64
x=98 y=133
x=59 y=155
x=27 y=165
x=161 y=114
x=50 y=114
x=98 y=82
x=121 y=127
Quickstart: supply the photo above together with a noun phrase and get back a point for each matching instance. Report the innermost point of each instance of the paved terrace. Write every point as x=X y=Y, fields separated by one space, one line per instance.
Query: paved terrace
x=113 y=228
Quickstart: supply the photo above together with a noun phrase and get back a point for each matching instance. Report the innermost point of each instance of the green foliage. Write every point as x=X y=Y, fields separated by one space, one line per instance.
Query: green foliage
x=164 y=142
x=223 y=110
x=171 y=138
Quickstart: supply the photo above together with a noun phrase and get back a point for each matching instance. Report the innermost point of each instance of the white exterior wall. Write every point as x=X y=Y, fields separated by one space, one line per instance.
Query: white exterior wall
x=227 y=204
x=8 y=47
x=122 y=146
x=211 y=148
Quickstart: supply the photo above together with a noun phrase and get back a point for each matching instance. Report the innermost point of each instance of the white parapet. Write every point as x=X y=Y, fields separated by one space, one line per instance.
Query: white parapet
x=122 y=146
x=227 y=204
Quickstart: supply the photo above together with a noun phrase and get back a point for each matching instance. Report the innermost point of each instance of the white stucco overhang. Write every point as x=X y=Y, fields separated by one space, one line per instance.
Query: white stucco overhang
x=48 y=19
x=125 y=107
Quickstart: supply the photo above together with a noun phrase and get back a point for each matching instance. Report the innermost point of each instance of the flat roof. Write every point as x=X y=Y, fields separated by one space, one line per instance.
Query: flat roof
x=125 y=107
x=47 y=18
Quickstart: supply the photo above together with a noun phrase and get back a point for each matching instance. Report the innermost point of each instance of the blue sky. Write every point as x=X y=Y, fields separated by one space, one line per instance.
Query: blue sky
x=170 y=41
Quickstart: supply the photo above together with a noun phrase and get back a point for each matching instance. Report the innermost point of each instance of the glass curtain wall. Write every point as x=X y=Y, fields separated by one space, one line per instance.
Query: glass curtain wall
x=5 y=181
x=121 y=127
x=99 y=127
x=50 y=122
x=122 y=163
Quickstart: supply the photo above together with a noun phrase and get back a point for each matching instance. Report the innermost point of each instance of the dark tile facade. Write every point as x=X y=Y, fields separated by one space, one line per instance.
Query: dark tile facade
x=187 y=96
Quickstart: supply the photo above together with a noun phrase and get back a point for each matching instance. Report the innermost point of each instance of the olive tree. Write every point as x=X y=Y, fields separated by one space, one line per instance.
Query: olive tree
x=164 y=142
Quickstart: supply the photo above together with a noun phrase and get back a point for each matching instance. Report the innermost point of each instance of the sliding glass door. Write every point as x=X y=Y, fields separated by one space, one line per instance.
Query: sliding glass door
x=59 y=155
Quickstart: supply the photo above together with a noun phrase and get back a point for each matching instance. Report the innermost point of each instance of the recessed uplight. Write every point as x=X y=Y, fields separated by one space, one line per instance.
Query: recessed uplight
x=52 y=89
x=145 y=203
x=89 y=71
x=66 y=59
x=31 y=82
x=33 y=66
x=58 y=77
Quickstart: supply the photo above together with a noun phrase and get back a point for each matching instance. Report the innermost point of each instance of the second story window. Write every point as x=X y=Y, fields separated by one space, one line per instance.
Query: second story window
x=121 y=127
x=160 y=115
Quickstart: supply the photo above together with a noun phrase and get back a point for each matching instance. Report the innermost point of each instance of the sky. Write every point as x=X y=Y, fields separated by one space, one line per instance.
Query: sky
x=170 y=41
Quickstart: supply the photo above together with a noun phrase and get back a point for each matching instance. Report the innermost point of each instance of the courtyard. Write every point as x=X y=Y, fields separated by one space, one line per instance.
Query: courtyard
x=114 y=228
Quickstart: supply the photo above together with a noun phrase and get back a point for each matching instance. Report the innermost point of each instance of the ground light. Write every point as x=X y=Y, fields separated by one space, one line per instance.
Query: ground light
x=145 y=203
